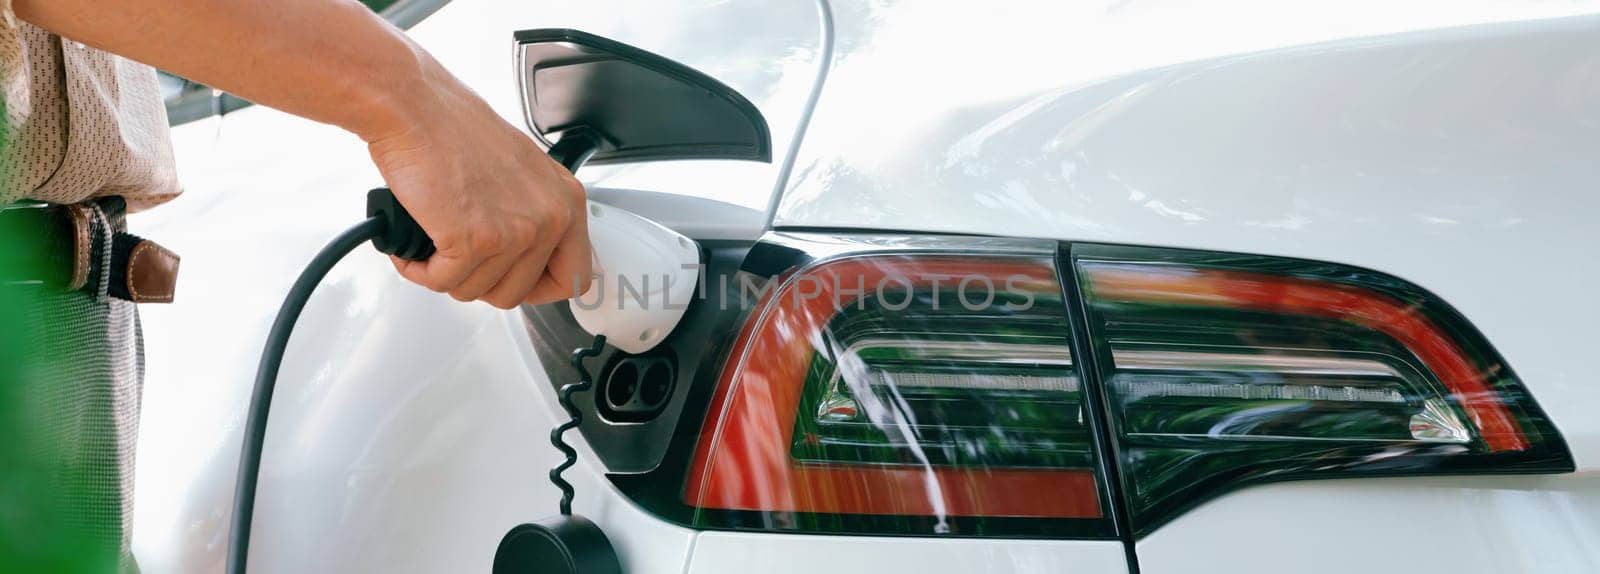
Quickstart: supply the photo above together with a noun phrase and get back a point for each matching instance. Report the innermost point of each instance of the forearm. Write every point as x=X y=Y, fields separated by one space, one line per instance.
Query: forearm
x=332 y=61
x=509 y=223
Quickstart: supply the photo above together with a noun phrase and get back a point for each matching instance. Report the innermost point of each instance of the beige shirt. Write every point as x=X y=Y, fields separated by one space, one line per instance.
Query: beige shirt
x=79 y=122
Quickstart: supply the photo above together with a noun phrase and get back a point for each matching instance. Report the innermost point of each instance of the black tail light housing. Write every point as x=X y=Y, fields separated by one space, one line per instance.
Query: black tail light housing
x=934 y=385
x=1223 y=370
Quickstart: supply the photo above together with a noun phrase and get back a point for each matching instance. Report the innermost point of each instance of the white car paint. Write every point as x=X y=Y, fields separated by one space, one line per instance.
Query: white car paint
x=721 y=552
x=410 y=431
x=1477 y=524
x=1462 y=160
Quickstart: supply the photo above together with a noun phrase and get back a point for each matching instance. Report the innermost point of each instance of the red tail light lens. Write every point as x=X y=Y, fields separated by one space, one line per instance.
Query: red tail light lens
x=936 y=390
x=920 y=385
x=1223 y=370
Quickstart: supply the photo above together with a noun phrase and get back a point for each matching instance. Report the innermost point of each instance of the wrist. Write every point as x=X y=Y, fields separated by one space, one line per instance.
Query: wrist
x=408 y=95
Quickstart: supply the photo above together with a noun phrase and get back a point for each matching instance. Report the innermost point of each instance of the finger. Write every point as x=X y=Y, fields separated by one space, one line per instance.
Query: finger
x=549 y=290
x=516 y=283
x=571 y=263
x=443 y=272
x=485 y=277
x=411 y=270
x=568 y=275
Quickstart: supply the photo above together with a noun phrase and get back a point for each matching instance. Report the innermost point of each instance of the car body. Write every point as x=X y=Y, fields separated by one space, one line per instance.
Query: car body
x=1451 y=153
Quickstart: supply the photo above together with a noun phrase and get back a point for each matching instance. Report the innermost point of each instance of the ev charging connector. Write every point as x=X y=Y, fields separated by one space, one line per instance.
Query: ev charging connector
x=660 y=268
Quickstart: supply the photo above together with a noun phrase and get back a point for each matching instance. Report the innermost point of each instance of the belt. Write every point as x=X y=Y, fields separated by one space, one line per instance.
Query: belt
x=84 y=246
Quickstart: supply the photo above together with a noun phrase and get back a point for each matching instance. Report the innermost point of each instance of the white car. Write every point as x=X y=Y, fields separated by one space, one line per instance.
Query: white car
x=1119 y=288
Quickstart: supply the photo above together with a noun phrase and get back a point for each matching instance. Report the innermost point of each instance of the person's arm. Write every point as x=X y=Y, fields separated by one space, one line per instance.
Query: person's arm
x=509 y=223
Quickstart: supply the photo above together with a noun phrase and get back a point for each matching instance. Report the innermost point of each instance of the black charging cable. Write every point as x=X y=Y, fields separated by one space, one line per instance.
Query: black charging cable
x=390 y=229
x=575 y=418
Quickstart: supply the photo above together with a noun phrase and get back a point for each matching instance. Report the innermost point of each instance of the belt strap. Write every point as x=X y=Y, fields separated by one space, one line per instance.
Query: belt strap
x=83 y=247
x=142 y=271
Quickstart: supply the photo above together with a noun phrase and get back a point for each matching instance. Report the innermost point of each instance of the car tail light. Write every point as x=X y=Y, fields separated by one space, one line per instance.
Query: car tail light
x=922 y=385
x=1223 y=370
x=912 y=390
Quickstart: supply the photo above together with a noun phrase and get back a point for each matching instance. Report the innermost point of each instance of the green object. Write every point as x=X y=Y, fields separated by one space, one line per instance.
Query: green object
x=32 y=536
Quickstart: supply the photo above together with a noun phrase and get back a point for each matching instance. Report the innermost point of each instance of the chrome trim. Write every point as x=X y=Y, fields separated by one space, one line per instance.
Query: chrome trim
x=984 y=382
x=1268 y=438
x=1136 y=389
x=1167 y=360
x=824 y=247
x=975 y=350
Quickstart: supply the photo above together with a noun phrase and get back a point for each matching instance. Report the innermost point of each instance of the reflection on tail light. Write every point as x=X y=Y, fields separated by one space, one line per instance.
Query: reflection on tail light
x=934 y=392
x=1222 y=370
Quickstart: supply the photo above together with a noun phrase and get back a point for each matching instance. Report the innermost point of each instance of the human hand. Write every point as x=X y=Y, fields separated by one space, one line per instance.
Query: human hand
x=508 y=223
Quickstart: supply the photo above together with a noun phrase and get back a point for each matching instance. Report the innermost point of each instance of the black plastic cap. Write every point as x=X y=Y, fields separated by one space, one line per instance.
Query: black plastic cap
x=402 y=237
x=556 y=545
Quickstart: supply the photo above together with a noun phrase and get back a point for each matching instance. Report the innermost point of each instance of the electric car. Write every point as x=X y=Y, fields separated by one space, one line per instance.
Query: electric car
x=1055 y=287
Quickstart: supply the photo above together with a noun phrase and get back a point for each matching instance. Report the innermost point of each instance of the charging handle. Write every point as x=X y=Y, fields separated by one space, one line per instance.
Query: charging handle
x=402 y=237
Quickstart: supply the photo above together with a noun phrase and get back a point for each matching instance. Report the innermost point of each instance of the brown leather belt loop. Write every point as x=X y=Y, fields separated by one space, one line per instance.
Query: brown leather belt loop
x=142 y=271
x=82 y=247
x=82 y=221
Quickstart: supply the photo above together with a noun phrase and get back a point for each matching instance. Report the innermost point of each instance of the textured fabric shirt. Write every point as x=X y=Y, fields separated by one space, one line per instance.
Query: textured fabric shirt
x=79 y=122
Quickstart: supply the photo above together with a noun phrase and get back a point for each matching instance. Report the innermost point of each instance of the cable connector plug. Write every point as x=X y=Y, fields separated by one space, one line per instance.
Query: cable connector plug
x=402 y=237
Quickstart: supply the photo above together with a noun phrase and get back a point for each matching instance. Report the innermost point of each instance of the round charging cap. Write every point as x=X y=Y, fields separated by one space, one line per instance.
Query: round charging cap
x=556 y=545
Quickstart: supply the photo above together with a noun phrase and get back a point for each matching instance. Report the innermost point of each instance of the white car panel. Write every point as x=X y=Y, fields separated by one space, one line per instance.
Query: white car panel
x=409 y=433
x=720 y=552
x=1462 y=160
x=1460 y=525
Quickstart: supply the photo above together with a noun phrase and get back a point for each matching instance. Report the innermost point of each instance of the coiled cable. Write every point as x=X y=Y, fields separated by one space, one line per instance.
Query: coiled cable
x=585 y=382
